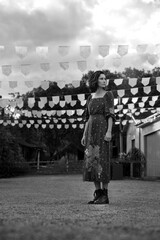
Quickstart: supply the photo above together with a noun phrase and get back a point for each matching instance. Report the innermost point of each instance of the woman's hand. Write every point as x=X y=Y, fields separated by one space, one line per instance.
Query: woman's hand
x=83 y=141
x=108 y=136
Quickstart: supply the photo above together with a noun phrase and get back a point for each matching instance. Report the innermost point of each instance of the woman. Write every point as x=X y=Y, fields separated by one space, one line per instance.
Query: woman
x=96 y=137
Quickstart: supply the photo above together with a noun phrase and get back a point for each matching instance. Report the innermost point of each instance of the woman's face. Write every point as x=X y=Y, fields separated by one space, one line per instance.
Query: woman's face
x=102 y=81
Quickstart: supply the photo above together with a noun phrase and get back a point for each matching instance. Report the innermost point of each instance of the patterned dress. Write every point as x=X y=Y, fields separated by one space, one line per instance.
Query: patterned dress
x=97 y=157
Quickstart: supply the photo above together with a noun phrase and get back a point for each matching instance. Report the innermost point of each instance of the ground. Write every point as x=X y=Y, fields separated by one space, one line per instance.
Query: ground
x=55 y=207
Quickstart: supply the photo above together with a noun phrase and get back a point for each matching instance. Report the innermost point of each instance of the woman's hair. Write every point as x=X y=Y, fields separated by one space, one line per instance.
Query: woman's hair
x=93 y=80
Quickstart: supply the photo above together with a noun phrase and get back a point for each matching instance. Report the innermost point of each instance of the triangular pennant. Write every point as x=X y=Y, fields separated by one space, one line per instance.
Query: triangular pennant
x=51 y=104
x=6 y=69
x=36 y=125
x=144 y=99
x=134 y=91
x=59 y=126
x=158 y=88
x=145 y=81
x=122 y=50
x=42 y=51
x=51 y=126
x=79 y=112
x=45 y=84
x=141 y=104
x=82 y=65
x=85 y=51
x=12 y=84
x=152 y=103
x=66 y=126
x=25 y=69
x=81 y=97
x=73 y=103
x=68 y=98
x=29 y=84
x=76 y=83
x=45 y=66
x=132 y=81
x=124 y=100
x=55 y=99
x=62 y=103
x=147 y=89
x=31 y=102
x=63 y=50
x=130 y=105
x=158 y=80
x=121 y=92
x=61 y=84
x=141 y=48
x=103 y=50
x=118 y=81
x=64 y=65
x=152 y=58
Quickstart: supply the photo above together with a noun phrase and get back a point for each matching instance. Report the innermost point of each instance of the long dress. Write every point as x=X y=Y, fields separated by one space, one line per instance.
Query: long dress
x=97 y=156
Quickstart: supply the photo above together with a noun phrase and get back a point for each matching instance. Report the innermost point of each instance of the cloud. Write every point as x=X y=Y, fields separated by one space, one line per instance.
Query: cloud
x=40 y=27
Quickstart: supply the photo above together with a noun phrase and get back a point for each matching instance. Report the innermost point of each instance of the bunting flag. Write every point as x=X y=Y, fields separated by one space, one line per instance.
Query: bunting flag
x=158 y=80
x=21 y=51
x=42 y=51
x=121 y=92
x=6 y=69
x=73 y=103
x=132 y=82
x=45 y=84
x=67 y=98
x=141 y=48
x=118 y=81
x=51 y=104
x=63 y=50
x=76 y=83
x=12 y=84
x=134 y=91
x=122 y=50
x=19 y=102
x=134 y=99
x=147 y=89
x=55 y=99
x=145 y=81
x=152 y=58
x=85 y=51
x=64 y=65
x=61 y=84
x=45 y=66
x=82 y=65
x=125 y=100
x=103 y=50
x=144 y=99
x=158 y=88
x=31 y=102
x=29 y=84
x=25 y=69
x=62 y=103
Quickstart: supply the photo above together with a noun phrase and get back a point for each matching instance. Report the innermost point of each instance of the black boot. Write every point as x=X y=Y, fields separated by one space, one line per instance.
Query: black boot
x=103 y=199
x=97 y=194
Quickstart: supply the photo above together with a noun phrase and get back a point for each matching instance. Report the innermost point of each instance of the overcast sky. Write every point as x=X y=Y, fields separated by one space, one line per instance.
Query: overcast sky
x=75 y=23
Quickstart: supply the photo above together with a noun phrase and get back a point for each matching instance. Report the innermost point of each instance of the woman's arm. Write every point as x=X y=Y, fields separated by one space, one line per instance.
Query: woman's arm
x=83 y=141
x=108 y=135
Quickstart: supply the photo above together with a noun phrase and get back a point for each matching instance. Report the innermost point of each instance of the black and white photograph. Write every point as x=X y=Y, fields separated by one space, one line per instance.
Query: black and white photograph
x=79 y=119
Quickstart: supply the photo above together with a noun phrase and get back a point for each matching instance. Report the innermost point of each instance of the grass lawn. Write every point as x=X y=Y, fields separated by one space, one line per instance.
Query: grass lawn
x=55 y=207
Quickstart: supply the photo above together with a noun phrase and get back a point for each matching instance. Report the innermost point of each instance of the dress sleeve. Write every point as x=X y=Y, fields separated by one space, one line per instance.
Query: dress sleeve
x=86 y=112
x=109 y=105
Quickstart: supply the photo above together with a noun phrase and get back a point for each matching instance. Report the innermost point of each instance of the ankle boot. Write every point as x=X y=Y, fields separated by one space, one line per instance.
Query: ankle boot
x=103 y=199
x=97 y=194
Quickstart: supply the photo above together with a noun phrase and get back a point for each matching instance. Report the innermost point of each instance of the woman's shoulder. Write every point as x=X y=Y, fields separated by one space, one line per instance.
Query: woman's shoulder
x=109 y=94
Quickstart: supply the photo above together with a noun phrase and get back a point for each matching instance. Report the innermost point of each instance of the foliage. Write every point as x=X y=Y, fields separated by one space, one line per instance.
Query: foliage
x=11 y=159
x=135 y=154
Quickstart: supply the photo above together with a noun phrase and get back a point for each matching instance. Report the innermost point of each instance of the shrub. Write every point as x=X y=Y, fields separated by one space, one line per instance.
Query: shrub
x=11 y=158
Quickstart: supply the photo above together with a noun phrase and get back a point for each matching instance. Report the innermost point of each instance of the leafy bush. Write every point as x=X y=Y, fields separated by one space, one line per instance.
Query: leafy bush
x=11 y=159
x=135 y=154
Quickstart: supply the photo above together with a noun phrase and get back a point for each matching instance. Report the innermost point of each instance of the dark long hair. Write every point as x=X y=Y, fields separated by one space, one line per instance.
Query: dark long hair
x=93 y=80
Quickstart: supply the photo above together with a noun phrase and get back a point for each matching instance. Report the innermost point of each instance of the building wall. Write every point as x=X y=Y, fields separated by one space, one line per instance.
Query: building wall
x=132 y=134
